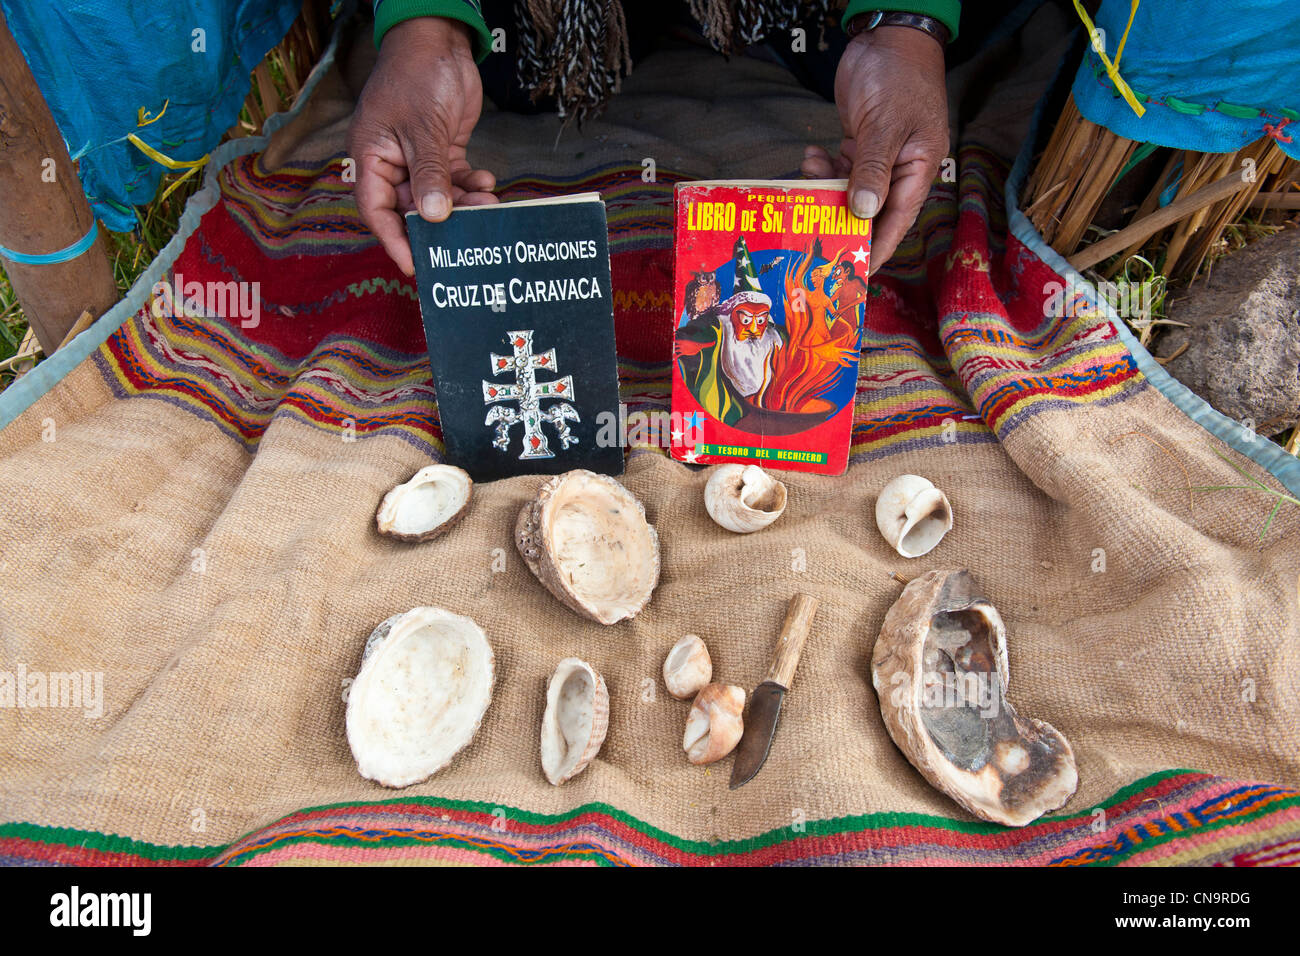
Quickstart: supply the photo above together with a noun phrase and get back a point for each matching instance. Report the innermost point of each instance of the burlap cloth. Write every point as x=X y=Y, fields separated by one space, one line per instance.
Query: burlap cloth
x=225 y=596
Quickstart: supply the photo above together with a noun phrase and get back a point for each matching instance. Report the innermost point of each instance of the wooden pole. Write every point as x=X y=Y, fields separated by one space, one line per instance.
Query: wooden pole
x=43 y=209
x=1145 y=228
x=1277 y=200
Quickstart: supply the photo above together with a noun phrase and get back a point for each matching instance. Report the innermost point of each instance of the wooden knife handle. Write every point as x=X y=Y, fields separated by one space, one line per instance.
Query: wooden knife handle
x=794 y=632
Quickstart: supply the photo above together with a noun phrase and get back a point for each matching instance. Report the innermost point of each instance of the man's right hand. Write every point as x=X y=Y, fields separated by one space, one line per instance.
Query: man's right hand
x=411 y=129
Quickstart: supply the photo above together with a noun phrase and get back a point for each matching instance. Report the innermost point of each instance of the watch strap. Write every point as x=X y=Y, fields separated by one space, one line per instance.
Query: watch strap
x=866 y=22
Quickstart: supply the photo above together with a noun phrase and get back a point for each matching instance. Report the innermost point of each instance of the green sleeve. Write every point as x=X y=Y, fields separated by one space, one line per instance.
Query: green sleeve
x=389 y=13
x=947 y=12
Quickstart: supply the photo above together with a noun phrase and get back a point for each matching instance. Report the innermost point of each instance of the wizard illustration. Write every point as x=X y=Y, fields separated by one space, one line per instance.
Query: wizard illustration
x=755 y=373
x=726 y=349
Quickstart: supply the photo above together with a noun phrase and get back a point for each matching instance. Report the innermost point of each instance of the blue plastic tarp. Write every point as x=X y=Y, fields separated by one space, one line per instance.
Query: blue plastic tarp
x=99 y=62
x=1213 y=77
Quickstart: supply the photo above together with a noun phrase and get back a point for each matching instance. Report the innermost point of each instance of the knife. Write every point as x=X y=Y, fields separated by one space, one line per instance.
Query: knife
x=765 y=702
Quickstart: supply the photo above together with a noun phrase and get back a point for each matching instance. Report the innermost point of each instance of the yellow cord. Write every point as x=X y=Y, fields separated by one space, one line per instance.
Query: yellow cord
x=1132 y=12
x=1112 y=68
x=143 y=117
x=158 y=157
x=172 y=188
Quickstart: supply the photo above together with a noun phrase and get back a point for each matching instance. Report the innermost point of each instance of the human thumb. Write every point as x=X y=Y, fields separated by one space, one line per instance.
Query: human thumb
x=873 y=166
x=426 y=158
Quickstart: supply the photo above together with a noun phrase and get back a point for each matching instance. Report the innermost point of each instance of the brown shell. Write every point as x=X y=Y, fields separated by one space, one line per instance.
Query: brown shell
x=553 y=720
x=997 y=764
x=437 y=530
x=535 y=538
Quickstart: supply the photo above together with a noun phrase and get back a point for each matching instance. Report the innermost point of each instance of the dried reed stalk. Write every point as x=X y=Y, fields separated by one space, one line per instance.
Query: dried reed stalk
x=1081 y=163
x=255 y=114
x=1182 y=210
x=292 y=58
x=1199 y=170
x=1077 y=168
x=1268 y=160
x=1145 y=209
x=266 y=91
x=1277 y=200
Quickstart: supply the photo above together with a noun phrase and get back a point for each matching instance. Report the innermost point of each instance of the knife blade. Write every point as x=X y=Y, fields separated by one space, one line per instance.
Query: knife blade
x=765 y=702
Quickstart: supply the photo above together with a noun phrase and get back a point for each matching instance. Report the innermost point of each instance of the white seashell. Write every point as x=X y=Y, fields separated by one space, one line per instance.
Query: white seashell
x=687 y=667
x=940 y=672
x=586 y=539
x=714 y=725
x=575 y=721
x=435 y=498
x=425 y=681
x=743 y=498
x=913 y=515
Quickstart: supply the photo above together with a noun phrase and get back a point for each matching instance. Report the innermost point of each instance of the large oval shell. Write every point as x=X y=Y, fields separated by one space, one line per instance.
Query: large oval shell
x=913 y=515
x=575 y=720
x=425 y=682
x=586 y=538
x=435 y=498
x=743 y=498
x=940 y=672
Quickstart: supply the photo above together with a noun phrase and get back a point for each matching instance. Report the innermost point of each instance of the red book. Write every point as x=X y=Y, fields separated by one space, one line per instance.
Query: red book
x=770 y=289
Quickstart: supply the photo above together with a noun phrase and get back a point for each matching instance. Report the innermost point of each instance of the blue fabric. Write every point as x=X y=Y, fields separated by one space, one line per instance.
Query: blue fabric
x=22 y=393
x=98 y=62
x=1229 y=57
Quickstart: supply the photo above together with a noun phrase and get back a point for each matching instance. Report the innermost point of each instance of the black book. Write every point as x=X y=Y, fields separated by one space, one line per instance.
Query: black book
x=519 y=323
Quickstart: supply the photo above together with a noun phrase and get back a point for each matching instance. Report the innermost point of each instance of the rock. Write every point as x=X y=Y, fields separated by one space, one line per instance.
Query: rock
x=1243 y=339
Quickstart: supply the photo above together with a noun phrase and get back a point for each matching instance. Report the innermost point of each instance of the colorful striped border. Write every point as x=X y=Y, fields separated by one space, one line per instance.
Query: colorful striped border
x=912 y=394
x=345 y=384
x=1169 y=818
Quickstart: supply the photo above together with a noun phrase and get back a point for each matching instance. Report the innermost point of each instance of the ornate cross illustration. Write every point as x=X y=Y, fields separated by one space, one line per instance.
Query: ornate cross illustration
x=528 y=392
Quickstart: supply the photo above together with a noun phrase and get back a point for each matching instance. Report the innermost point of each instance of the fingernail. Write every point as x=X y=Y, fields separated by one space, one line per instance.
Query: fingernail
x=434 y=206
x=865 y=204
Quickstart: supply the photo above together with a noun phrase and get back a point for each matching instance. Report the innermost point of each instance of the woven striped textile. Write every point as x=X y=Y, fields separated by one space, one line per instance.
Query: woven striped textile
x=334 y=367
x=1174 y=818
